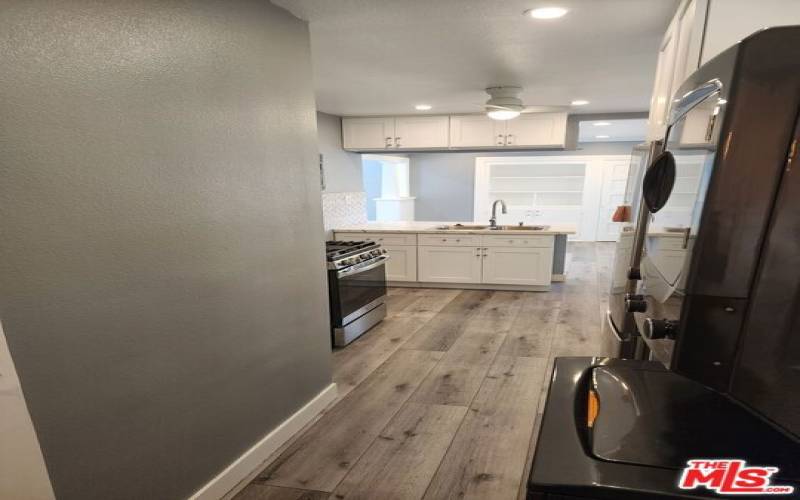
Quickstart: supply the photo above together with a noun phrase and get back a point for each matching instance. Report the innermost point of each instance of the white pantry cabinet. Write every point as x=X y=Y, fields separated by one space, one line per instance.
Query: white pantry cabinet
x=392 y=133
x=517 y=265
x=440 y=264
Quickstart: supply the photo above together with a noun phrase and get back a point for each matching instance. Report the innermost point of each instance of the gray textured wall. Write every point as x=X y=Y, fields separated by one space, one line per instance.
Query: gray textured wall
x=162 y=284
x=342 y=168
x=444 y=183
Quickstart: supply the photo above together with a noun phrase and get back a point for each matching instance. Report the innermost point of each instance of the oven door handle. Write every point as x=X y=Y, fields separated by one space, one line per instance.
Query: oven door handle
x=351 y=272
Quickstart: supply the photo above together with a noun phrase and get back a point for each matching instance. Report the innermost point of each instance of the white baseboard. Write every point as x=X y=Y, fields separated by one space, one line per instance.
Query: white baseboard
x=248 y=463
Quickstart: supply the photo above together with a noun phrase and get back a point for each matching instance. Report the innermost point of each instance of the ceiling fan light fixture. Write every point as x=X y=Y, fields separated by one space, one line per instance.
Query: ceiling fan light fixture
x=502 y=114
x=547 y=12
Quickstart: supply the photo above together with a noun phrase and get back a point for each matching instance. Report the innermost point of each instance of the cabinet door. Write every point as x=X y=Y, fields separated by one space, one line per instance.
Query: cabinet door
x=476 y=131
x=449 y=264
x=402 y=263
x=368 y=133
x=662 y=89
x=537 y=129
x=518 y=266
x=416 y=132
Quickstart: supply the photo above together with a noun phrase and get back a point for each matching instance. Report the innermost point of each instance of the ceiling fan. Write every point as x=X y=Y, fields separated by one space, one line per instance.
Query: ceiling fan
x=504 y=104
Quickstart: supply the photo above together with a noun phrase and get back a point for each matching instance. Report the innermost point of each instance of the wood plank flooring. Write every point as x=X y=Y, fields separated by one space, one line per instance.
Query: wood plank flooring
x=443 y=399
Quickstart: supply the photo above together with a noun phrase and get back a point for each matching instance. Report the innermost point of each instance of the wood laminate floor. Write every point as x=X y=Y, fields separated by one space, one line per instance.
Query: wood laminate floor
x=442 y=399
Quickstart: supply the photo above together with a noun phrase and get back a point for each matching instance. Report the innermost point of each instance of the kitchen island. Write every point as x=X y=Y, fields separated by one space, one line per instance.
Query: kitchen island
x=467 y=255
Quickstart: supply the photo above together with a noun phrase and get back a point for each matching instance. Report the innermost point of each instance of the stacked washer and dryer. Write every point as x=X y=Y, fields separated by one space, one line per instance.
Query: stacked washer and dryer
x=710 y=299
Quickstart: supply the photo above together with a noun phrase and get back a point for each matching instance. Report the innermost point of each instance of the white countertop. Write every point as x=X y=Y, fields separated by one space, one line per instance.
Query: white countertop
x=435 y=227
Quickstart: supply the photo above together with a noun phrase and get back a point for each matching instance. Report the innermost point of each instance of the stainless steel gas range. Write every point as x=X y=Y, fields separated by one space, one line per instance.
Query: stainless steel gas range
x=356 y=288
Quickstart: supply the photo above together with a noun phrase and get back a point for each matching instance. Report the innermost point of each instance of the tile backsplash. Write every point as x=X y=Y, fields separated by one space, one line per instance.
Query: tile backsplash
x=343 y=209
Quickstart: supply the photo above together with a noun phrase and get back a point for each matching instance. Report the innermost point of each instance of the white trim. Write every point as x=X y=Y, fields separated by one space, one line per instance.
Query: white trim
x=24 y=471
x=233 y=478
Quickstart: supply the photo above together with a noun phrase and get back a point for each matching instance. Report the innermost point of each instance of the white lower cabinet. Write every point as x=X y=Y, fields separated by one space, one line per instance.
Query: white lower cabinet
x=517 y=266
x=402 y=263
x=445 y=264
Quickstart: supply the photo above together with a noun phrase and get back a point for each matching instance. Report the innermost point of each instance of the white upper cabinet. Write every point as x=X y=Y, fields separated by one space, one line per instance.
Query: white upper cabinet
x=368 y=133
x=537 y=130
x=476 y=131
x=402 y=132
x=529 y=130
x=421 y=132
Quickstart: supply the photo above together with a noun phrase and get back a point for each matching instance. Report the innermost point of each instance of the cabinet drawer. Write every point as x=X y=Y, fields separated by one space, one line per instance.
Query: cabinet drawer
x=382 y=238
x=666 y=242
x=450 y=240
x=534 y=241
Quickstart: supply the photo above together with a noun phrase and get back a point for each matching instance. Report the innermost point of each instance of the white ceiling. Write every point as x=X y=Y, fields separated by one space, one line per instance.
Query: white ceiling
x=628 y=130
x=385 y=56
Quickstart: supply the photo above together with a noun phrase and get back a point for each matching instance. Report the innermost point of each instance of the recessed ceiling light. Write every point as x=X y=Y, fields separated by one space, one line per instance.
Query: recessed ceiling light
x=601 y=124
x=423 y=107
x=547 y=12
x=579 y=102
x=602 y=137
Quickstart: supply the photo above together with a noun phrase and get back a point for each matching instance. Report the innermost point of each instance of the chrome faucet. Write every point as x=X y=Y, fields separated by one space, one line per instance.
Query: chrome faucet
x=493 y=220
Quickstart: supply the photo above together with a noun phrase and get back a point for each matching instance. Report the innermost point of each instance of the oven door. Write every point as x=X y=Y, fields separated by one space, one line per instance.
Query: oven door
x=360 y=290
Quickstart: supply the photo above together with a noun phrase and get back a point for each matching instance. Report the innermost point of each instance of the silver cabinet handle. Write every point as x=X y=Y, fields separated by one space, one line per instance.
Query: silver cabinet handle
x=388 y=142
x=397 y=142
x=510 y=139
x=500 y=139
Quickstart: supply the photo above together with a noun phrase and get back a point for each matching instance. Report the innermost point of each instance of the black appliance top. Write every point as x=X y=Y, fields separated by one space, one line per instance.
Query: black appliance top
x=662 y=419
x=653 y=409
x=335 y=250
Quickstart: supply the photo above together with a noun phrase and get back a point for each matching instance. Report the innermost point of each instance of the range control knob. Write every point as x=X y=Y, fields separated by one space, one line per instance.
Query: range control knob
x=659 y=328
x=634 y=274
x=635 y=303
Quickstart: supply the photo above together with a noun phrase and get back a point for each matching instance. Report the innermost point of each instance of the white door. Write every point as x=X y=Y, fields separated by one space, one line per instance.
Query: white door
x=449 y=264
x=402 y=263
x=537 y=129
x=368 y=133
x=476 y=131
x=413 y=132
x=517 y=266
x=612 y=195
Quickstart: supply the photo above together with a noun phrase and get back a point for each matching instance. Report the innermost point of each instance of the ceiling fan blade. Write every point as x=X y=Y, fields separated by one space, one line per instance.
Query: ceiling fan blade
x=494 y=106
x=534 y=108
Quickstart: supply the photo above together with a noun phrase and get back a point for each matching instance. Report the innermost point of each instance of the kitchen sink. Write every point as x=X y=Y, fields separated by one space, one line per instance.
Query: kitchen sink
x=524 y=228
x=476 y=227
